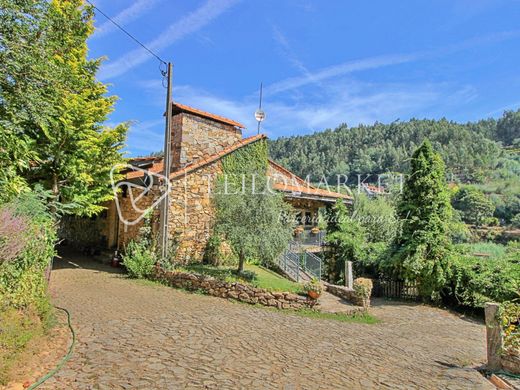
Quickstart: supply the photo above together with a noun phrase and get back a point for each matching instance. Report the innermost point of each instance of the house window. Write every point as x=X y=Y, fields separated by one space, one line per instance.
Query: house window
x=299 y=218
x=308 y=218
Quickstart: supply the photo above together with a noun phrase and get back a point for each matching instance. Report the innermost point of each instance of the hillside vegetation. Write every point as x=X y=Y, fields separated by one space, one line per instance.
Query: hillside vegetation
x=470 y=150
x=483 y=154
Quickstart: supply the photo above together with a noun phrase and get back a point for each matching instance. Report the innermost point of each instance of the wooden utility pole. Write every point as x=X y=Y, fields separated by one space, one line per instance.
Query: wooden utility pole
x=167 y=166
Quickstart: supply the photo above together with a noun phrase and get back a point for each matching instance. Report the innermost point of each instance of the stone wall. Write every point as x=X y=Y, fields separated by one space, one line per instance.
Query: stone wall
x=497 y=358
x=194 y=137
x=96 y=232
x=511 y=363
x=125 y=232
x=236 y=291
x=192 y=213
x=82 y=233
x=345 y=293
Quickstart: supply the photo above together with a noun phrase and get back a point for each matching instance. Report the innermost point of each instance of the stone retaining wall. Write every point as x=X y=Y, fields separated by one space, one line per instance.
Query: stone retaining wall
x=345 y=293
x=511 y=363
x=237 y=291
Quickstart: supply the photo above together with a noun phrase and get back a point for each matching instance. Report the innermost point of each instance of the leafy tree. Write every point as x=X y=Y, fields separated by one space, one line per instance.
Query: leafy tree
x=345 y=241
x=51 y=101
x=377 y=216
x=475 y=207
x=23 y=88
x=422 y=249
x=255 y=223
x=508 y=128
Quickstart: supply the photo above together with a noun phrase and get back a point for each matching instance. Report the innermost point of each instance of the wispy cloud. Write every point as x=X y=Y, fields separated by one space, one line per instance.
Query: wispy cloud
x=339 y=70
x=176 y=31
x=513 y=106
x=126 y=16
x=146 y=137
x=287 y=51
x=376 y=62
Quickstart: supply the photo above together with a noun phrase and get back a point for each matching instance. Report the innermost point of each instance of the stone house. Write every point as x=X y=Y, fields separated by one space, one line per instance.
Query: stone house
x=199 y=142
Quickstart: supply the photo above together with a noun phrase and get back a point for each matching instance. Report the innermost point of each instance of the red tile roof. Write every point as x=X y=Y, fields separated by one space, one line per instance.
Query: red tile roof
x=287 y=172
x=183 y=108
x=309 y=190
x=302 y=187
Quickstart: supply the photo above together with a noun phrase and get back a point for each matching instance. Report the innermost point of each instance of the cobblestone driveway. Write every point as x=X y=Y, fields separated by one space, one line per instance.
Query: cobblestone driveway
x=132 y=335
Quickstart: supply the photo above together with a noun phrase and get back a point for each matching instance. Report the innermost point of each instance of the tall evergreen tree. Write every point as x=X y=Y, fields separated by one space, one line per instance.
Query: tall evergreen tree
x=71 y=152
x=422 y=249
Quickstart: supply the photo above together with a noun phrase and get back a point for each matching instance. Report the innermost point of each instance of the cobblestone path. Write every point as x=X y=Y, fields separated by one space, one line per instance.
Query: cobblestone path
x=135 y=335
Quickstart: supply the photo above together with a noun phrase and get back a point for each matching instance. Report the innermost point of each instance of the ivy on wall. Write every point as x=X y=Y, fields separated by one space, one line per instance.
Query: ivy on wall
x=250 y=159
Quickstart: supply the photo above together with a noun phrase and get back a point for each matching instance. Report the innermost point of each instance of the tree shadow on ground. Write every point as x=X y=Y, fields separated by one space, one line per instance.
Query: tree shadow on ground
x=69 y=258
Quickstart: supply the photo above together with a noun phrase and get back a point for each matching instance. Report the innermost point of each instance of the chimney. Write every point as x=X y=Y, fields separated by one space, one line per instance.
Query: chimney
x=197 y=134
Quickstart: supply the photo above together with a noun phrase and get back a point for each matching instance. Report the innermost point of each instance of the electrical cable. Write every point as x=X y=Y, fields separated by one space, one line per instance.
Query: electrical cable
x=127 y=33
x=64 y=360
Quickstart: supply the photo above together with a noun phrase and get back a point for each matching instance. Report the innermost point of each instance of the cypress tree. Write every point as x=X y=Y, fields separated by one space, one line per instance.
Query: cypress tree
x=423 y=247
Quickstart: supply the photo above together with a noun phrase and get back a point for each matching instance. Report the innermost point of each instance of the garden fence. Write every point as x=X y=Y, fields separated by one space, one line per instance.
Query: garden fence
x=395 y=288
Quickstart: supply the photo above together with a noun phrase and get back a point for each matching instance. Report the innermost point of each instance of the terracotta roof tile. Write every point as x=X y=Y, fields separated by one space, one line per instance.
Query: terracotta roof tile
x=196 y=111
x=309 y=190
x=305 y=188
x=285 y=171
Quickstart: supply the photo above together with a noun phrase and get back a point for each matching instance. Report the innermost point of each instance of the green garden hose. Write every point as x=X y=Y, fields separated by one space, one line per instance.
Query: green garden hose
x=63 y=360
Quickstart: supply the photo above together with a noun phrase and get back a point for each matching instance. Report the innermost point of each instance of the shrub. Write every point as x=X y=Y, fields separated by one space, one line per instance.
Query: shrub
x=212 y=252
x=139 y=259
x=13 y=236
x=509 y=317
x=27 y=237
x=363 y=290
x=30 y=250
x=475 y=281
x=515 y=221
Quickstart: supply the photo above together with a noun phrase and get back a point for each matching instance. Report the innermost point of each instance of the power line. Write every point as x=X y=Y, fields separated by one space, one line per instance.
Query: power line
x=127 y=33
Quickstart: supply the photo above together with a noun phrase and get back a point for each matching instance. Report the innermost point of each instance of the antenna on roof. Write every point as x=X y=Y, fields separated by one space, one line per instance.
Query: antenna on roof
x=260 y=114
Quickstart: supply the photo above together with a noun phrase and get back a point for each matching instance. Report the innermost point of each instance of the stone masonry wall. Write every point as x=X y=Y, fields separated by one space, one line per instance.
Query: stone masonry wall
x=192 y=213
x=237 y=291
x=345 y=293
x=126 y=233
x=195 y=137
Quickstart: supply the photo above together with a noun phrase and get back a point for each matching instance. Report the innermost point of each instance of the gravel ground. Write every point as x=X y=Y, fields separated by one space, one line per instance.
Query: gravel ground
x=139 y=335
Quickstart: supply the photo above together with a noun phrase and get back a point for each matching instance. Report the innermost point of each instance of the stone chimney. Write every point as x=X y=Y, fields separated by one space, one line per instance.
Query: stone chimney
x=198 y=134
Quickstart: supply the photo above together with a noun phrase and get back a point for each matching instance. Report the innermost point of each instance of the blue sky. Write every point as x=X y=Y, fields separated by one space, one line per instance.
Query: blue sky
x=322 y=62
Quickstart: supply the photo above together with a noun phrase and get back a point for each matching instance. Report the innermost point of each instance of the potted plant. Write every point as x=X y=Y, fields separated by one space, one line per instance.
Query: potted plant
x=299 y=230
x=315 y=230
x=314 y=288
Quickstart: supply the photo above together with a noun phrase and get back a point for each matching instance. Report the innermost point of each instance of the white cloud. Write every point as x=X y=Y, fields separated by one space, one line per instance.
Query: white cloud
x=339 y=70
x=126 y=16
x=189 y=24
x=146 y=137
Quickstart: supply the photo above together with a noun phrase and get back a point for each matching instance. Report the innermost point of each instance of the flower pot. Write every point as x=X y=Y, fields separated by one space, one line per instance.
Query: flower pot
x=313 y=294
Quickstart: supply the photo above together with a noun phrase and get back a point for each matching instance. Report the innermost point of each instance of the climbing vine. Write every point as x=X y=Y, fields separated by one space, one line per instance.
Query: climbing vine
x=509 y=317
x=248 y=160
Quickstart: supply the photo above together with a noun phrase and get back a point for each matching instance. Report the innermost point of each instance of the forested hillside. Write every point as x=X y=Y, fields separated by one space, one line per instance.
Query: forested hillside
x=471 y=150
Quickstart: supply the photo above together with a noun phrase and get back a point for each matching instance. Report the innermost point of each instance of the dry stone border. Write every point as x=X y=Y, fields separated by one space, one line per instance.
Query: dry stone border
x=237 y=291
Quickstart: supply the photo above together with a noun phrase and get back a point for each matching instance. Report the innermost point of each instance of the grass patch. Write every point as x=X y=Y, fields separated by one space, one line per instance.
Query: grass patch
x=17 y=329
x=360 y=318
x=493 y=250
x=260 y=277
